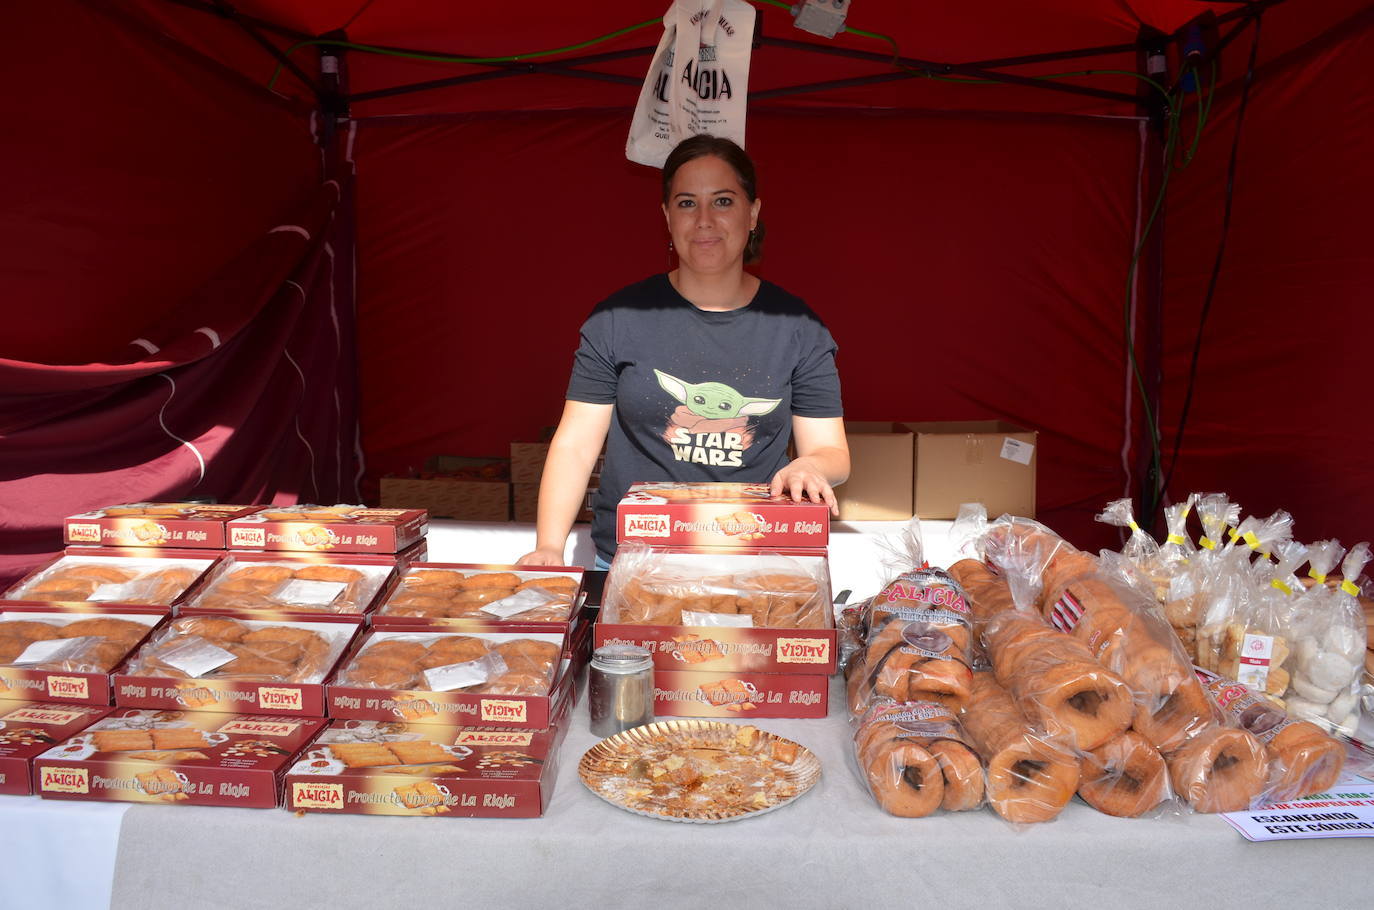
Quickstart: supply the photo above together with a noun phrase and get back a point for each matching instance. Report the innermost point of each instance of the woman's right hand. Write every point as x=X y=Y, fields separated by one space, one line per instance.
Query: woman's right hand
x=543 y=557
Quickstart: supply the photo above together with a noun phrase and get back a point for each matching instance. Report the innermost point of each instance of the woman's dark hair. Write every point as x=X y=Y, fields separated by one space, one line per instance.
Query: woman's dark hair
x=702 y=145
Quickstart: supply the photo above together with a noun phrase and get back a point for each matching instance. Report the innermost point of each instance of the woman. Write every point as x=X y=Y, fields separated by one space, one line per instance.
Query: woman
x=698 y=375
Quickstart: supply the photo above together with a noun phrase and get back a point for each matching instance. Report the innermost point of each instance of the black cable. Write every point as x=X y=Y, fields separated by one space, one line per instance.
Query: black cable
x=1221 y=252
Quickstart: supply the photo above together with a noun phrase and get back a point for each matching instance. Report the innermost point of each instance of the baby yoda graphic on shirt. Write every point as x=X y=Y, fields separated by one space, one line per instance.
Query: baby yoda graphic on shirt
x=710 y=426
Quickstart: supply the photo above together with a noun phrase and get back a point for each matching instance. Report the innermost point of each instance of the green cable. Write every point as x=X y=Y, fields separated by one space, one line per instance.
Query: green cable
x=449 y=58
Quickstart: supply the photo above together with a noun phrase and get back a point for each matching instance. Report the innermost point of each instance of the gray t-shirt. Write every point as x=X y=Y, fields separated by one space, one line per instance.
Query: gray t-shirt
x=699 y=395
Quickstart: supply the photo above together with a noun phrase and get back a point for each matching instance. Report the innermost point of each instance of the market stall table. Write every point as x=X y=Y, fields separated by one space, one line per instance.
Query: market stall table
x=830 y=848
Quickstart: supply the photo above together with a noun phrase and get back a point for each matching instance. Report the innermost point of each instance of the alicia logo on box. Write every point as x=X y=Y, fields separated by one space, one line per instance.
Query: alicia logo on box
x=316 y=796
x=248 y=537
x=280 y=699
x=803 y=651
x=65 y=780
x=68 y=687
x=647 y=526
x=503 y=711
x=83 y=533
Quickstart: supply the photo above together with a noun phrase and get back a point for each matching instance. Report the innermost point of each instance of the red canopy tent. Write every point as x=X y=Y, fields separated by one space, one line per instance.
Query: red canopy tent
x=180 y=254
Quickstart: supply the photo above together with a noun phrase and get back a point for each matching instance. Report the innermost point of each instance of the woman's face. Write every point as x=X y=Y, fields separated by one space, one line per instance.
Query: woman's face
x=709 y=216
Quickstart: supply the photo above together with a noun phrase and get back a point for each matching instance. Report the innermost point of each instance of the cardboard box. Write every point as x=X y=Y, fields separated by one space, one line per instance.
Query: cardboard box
x=329 y=529
x=667 y=514
x=28 y=730
x=527 y=463
x=436 y=770
x=144 y=588
x=881 y=457
x=696 y=693
x=454 y=706
x=525 y=503
x=135 y=688
x=176 y=758
x=985 y=461
x=226 y=591
x=445 y=497
x=72 y=687
x=420 y=601
x=694 y=573
x=154 y=524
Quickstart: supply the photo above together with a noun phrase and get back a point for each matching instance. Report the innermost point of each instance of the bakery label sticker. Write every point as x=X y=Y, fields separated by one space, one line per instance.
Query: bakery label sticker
x=275 y=699
x=248 y=537
x=68 y=687
x=65 y=780
x=50 y=718
x=83 y=533
x=259 y=728
x=504 y=711
x=316 y=796
x=647 y=526
x=803 y=651
x=493 y=738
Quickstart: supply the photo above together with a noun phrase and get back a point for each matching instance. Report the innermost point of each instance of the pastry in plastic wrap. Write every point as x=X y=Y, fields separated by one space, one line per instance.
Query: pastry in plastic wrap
x=293 y=587
x=467 y=663
x=485 y=595
x=218 y=647
x=1223 y=769
x=1029 y=778
x=915 y=759
x=95 y=644
x=1125 y=776
x=1056 y=681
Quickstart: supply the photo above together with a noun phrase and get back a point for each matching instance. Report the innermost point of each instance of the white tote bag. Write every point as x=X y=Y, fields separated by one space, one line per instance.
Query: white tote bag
x=699 y=79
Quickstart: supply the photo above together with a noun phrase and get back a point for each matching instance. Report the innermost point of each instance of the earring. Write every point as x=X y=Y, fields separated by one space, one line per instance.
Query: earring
x=670 y=244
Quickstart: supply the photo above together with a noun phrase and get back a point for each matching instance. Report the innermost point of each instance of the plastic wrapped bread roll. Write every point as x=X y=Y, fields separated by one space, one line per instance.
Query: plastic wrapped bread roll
x=1223 y=769
x=1125 y=776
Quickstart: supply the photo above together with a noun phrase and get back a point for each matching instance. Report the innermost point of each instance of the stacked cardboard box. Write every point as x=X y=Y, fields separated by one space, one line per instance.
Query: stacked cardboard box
x=729 y=590
x=527 y=469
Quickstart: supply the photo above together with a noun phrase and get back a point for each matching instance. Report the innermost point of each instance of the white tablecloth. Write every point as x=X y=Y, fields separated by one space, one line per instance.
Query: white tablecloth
x=831 y=848
x=859 y=550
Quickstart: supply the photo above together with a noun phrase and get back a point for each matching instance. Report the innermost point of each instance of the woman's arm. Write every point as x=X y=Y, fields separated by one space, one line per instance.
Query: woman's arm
x=572 y=455
x=822 y=462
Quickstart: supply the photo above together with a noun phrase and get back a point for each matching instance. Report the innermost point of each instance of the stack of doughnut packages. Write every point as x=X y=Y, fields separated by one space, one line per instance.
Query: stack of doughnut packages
x=905 y=689
x=1094 y=668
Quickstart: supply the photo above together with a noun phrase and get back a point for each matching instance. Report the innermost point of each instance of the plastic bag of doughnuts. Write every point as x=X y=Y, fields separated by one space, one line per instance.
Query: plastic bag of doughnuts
x=85 y=578
x=287 y=586
x=518 y=595
x=915 y=758
x=917 y=644
x=1303 y=759
x=228 y=648
x=655 y=587
x=495 y=664
x=68 y=643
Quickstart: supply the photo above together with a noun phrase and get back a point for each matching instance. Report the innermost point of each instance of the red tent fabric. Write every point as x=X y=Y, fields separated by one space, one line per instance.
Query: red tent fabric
x=968 y=244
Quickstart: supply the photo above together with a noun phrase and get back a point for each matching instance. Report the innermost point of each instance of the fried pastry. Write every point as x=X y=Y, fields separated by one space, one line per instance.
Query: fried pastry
x=178 y=738
x=363 y=755
x=122 y=740
x=419 y=752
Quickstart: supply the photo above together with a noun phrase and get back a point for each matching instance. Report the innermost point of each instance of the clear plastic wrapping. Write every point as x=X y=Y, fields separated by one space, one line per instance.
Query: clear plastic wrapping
x=69 y=643
x=915 y=758
x=652 y=587
x=110 y=580
x=1030 y=778
x=287 y=586
x=517 y=595
x=495 y=664
x=918 y=641
x=223 y=647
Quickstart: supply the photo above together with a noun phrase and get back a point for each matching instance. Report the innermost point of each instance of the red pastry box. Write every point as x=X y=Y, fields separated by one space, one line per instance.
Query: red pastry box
x=282 y=585
x=722 y=609
x=483 y=597
x=154 y=524
x=29 y=730
x=116 y=575
x=696 y=693
x=329 y=529
x=66 y=652
x=505 y=679
x=719 y=515
x=217 y=662
x=437 y=770
x=175 y=758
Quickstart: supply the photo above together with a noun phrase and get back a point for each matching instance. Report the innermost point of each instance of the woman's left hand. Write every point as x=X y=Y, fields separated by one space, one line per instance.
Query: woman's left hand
x=802 y=479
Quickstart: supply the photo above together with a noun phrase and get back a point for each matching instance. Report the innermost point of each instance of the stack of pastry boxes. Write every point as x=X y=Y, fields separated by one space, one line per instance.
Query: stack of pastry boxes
x=729 y=590
x=218 y=701
x=453 y=705
x=69 y=626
